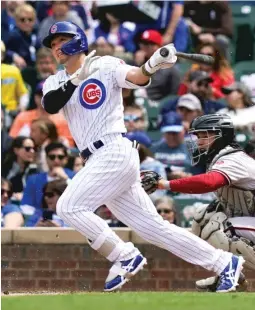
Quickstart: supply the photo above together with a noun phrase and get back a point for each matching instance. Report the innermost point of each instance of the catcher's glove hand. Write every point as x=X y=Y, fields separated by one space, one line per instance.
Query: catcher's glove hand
x=150 y=180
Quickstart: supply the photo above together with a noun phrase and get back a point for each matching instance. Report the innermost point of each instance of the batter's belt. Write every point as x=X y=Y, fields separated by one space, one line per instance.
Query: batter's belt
x=98 y=144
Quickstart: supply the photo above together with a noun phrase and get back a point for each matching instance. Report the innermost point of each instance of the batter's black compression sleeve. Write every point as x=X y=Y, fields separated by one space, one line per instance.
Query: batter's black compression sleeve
x=55 y=100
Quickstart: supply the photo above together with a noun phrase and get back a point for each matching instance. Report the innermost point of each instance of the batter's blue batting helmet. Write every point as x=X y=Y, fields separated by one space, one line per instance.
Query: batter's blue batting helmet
x=76 y=45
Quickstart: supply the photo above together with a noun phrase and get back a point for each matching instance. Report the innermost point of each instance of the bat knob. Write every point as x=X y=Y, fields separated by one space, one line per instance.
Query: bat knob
x=164 y=52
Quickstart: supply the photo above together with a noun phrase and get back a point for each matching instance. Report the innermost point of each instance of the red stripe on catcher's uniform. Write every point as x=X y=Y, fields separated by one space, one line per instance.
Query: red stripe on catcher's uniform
x=244 y=228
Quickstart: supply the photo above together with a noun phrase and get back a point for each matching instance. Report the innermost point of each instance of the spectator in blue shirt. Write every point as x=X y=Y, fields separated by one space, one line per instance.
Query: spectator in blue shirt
x=23 y=42
x=11 y=215
x=117 y=33
x=171 y=24
x=46 y=216
x=171 y=149
x=57 y=158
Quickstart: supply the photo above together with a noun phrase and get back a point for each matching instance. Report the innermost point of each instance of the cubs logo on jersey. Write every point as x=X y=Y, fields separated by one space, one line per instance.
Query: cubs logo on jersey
x=92 y=94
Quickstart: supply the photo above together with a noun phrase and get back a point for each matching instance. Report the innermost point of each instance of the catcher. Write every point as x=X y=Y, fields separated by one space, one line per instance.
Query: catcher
x=227 y=223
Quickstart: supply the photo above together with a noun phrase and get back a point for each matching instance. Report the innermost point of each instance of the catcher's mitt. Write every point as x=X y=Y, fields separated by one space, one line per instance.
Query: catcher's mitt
x=150 y=180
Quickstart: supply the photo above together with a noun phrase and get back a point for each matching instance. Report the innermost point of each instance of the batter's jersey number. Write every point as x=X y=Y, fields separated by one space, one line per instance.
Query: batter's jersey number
x=92 y=94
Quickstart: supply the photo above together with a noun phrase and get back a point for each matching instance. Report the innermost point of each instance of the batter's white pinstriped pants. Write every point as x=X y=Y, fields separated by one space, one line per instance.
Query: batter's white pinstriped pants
x=111 y=176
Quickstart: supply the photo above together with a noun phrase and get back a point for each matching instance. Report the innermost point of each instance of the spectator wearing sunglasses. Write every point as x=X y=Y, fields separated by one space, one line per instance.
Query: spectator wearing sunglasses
x=240 y=107
x=163 y=82
x=165 y=207
x=11 y=215
x=19 y=164
x=46 y=216
x=135 y=118
x=57 y=157
x=23 y=42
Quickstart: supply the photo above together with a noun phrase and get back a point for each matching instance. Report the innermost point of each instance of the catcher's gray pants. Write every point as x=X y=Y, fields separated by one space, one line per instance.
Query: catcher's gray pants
x=111 y=176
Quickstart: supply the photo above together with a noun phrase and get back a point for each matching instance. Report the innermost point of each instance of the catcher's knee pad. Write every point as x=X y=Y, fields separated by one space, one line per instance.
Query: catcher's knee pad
x=213 y=232
x=106 y=246
x=201 y=218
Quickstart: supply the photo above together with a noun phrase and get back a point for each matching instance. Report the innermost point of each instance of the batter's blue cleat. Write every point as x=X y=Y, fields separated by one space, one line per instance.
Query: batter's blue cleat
x=121 y=272
x=230 y=275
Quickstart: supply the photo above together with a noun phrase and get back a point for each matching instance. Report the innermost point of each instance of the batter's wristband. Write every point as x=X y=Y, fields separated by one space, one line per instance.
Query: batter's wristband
x=145 y=72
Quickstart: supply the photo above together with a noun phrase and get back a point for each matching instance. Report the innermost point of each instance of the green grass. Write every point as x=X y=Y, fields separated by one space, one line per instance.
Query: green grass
x=132 y=301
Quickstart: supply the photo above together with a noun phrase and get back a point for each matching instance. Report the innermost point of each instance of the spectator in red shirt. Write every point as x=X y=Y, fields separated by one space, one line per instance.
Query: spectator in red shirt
x=220 y=72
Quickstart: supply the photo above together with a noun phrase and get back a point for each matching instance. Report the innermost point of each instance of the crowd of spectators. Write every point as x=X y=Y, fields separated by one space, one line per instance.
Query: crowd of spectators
x=39 y=156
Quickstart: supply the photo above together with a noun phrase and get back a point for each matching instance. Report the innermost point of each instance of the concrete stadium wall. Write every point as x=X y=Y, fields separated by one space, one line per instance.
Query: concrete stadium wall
x=52 y=259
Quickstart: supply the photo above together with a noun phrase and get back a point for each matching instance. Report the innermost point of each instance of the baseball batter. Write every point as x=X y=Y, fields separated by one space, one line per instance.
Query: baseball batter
x=229 y=222
x=89 y=92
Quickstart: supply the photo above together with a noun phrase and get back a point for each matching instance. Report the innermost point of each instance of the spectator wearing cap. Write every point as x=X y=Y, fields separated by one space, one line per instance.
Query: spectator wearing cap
x=189 y=107
x=120 y=35
x=60 y=12
x=147 y=160
x=14 y=94
x=45 y=66
x=11 y=215
x=23 y=42
x=171 y=149
x=198 y=84
x=57 y=157
x=240 y=108
x=170 y=24
x=163 y=82
x=23 y=121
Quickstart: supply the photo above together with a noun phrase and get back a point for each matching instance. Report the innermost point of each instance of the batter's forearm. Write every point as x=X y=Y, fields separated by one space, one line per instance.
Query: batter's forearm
x=55 y=100
x=137 y=76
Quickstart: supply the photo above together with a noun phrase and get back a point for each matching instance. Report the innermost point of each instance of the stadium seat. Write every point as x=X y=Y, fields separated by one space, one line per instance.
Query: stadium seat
x=242 y=48
x=244 y=68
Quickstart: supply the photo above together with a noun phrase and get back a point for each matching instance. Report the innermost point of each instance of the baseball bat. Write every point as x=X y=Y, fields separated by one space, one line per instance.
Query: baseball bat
x=198 y=58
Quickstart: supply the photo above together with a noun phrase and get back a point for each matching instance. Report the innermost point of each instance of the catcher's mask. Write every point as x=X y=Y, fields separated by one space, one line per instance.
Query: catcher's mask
x=208 y=135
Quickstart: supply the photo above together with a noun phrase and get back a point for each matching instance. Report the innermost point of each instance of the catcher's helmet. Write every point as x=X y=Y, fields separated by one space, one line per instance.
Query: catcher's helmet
x=219 y=131
x=76 y=45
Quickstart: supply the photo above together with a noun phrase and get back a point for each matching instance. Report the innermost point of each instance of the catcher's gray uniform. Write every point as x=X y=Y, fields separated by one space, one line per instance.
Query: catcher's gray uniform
x=236 y=206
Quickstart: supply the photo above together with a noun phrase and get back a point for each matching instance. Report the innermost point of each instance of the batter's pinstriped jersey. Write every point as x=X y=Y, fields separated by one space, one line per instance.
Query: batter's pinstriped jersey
x=239 y=196
x=96 y=107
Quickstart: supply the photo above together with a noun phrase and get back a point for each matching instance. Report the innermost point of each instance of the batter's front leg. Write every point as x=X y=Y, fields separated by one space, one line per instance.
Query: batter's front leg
x=135 y=209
